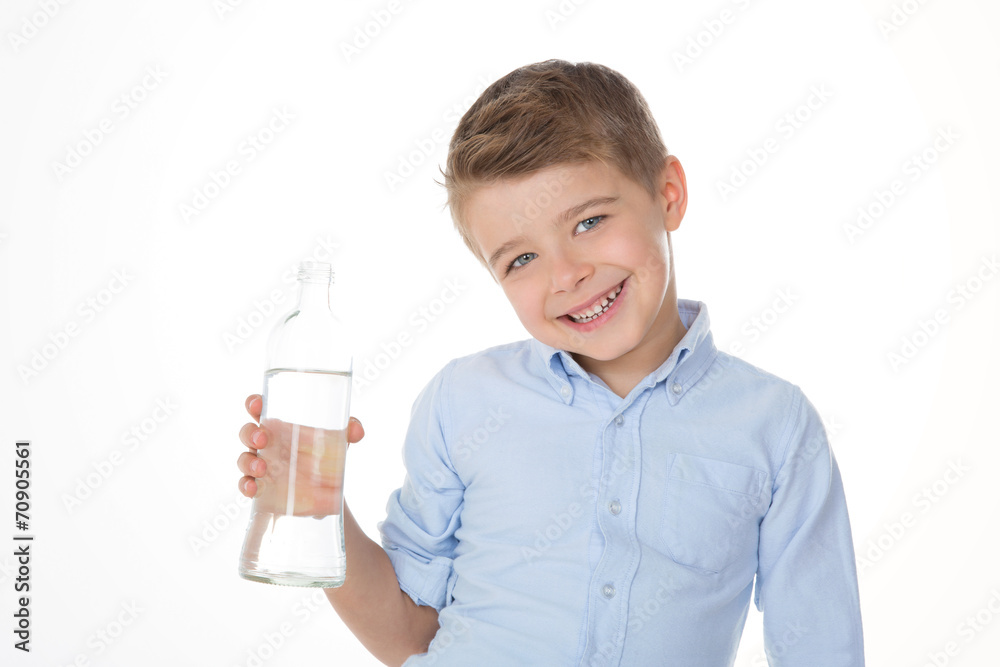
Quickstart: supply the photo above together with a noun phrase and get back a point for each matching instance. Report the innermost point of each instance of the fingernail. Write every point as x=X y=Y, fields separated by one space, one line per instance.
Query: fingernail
x=255 y=466
x=255 y=437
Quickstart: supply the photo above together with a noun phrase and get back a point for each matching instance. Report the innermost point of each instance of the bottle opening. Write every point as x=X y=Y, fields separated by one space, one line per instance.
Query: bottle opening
x=315 y=272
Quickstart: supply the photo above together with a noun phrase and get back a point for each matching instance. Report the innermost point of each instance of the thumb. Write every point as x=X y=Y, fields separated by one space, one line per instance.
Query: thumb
x=355 y=431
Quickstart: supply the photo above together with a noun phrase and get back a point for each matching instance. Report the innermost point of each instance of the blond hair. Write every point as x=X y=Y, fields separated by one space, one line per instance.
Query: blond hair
x=546 y=114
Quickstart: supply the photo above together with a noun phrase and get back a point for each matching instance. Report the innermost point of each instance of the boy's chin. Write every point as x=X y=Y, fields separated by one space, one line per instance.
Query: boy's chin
x=593 y=354
x=578 y=345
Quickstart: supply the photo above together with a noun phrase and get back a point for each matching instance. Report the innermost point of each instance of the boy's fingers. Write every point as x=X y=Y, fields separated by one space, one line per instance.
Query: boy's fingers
x=355 y=431
x=253 y=436
x=251 y=465
x=254 y=403
x=248 y=487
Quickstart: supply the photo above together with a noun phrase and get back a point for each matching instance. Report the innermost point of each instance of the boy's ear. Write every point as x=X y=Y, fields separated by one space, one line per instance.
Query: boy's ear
x=673 y=190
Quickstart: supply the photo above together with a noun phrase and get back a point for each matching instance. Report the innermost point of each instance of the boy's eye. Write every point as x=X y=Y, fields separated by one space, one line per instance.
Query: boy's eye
x=589 y=223
x=514 y=265
x=521 y=260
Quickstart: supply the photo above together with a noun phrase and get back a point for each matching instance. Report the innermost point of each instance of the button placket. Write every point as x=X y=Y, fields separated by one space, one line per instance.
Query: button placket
x=615 y=570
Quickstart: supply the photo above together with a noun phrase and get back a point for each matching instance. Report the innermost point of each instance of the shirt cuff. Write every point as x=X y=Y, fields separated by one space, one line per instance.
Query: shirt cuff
x=428 y=583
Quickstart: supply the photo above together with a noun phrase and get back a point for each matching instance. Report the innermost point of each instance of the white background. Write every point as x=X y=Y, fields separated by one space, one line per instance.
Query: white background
x=154 y=541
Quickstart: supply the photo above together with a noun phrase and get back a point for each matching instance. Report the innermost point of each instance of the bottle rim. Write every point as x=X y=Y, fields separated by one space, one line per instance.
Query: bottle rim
x=315 y=272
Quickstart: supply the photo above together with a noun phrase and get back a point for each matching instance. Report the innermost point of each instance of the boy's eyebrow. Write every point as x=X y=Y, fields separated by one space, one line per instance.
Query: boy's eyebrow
x=566 y=215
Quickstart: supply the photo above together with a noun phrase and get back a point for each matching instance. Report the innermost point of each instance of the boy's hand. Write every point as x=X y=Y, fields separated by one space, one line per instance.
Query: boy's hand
x=257 y=437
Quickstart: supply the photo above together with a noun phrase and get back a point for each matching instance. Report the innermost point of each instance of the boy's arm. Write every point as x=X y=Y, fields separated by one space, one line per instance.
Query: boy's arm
x=423 y=515
x=392 y=594
x=807 y=586
x=370 y=603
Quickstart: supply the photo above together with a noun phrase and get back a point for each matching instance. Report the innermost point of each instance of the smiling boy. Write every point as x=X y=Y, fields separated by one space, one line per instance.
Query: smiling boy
x=608 y=246
x=611 y=490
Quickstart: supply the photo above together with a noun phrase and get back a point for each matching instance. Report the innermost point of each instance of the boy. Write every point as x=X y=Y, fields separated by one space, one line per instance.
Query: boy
x=605 y=492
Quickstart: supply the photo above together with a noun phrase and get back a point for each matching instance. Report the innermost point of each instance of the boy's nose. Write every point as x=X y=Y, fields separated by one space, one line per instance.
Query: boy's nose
x=568 y=272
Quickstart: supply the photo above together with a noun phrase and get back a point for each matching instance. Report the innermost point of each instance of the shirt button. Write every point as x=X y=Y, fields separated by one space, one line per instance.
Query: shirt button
x=614 y=507
x=619 y=420
x=676 y=388
x=608 y=591
x=565 y=391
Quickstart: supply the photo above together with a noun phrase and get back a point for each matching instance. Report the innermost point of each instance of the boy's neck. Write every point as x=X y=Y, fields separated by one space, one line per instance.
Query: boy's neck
x=625 y=372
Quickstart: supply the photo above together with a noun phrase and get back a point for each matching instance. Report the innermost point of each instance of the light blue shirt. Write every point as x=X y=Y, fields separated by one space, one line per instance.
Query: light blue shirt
x=552 y=522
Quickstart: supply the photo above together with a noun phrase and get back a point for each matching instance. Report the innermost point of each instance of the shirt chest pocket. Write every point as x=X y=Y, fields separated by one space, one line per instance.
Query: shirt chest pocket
x=711 y=512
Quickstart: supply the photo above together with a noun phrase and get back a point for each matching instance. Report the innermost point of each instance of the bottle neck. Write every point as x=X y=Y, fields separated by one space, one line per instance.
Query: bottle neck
x=314 y=295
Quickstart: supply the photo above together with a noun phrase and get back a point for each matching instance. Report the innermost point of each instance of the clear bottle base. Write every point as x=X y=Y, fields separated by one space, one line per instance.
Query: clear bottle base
x=286 y=579
x=294 y=550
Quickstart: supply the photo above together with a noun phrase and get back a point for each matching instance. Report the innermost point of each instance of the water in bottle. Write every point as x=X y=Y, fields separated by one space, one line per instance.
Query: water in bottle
x=295 y=536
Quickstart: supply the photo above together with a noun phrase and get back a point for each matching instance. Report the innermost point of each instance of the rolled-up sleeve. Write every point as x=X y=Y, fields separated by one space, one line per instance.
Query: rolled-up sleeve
x=418 y=533
x=807 y=585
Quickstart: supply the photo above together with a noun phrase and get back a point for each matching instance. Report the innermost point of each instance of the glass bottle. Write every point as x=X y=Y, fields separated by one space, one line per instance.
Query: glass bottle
x=296 y=532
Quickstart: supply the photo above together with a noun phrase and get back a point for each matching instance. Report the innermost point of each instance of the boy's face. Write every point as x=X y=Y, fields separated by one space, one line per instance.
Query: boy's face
x=565 y=239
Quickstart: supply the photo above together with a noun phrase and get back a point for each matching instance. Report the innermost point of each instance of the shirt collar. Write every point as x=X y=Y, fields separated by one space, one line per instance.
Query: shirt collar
x=689 y=360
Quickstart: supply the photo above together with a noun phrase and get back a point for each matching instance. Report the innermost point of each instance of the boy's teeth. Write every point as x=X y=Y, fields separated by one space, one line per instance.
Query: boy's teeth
x=597 y=308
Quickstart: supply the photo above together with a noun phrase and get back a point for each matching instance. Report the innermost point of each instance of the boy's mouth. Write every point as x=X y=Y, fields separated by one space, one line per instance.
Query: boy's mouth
x=600 y=306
